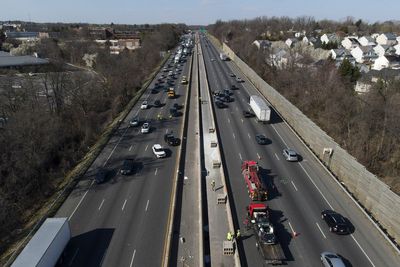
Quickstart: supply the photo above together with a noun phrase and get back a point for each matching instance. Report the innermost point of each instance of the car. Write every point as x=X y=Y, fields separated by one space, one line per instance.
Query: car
x=101 y=176
x=336 y=222
x=166 y=89
x=228 y=92
x=261 y=139
x=177 y=106
x=212 y=59
x=127 y=167
x=247 y=114
x=145 y=128
x=330 y=259
x=134 y=122
x=157 y=103
x=220 y=104
x=234 y=87
x=173 y=112
x=226 y=98
x=290 y=154
x=171 y=140
x=232 y=74
x=184 y=80
x=239 y=80
x=144 y=105
x=154 y=91
x=158 y=151
x=165 y=69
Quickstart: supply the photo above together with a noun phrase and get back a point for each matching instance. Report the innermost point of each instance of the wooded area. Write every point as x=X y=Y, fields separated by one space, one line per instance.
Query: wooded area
x=367 y=126
x=52 y=119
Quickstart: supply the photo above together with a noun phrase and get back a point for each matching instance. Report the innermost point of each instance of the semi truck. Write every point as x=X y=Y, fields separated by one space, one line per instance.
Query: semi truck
x=223 y=56
x=46 y=247
x=255 y=187
x=260 y=108
x=264 y=232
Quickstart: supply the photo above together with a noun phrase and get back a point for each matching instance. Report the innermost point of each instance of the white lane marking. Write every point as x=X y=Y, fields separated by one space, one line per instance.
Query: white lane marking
x=166 y=130
x=130 y=148
x=277 y=156
x=237 y=109
x=123 y=205
x=233 y=136
x=73 y=257
x=133 y=256
x=294 y=185
x=363 y=251
x=258 y=156
x=320 y=230
x=147 y=205
x=101 y=204
x=155 y=173
x=248 y=135
x=309 y=177
x=273 y=127
x=80 y=201
x=147 y=146
x=229 y=121
x=241 y=120
x=109 y=156
x=240 y=156
x=243 y=100
x=293 y=232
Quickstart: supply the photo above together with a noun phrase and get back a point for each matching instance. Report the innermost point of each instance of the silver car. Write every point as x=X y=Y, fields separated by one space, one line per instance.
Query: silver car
x=330 y=259
x=290 y=154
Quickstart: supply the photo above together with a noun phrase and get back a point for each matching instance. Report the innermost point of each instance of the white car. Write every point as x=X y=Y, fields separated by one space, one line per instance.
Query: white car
x=290 y=154
x=159 y=151
x=144 y=105
x=134 y=122
x=145 y=128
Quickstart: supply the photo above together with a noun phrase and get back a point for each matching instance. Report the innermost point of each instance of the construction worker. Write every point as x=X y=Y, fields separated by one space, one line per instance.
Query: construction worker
x=229 y=236
x=238 y=234
x=213 y=185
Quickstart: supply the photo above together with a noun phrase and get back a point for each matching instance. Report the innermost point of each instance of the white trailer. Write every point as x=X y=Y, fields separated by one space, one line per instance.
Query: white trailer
x=47 y=245
x=223 y=56
x=260 y=108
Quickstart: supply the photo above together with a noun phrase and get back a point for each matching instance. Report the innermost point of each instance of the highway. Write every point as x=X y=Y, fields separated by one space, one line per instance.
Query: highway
x=302 y=189
x=123 y=222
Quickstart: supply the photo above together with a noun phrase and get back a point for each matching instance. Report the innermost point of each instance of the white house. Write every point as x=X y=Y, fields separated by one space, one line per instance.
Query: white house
x=366 y=41
x=380 y=63
x=262 y=44
x=363 y=53
x=338 y=54
x=330 y=38
x=397 y=49
x=381 y=50
x=386 y=39
x=350 y=42
x=291 y=41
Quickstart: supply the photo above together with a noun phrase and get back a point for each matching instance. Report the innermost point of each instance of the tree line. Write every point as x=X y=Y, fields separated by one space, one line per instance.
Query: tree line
x=367 y=126
x=52 y=119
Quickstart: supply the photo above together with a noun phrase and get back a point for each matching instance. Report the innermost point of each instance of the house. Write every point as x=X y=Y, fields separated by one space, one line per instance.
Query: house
x=330 y=38
x=23 y=36
x=264 y=44
x=350 y=42
x=388 y=61
x=367 y=80
x=397 y=49
x=386 y=39
x=363 y=54
x=291 y=41
x=367 y=41
x=9 y=61
x=299 y=34
x=279 y=58
x=381 y=50
x=338 y=54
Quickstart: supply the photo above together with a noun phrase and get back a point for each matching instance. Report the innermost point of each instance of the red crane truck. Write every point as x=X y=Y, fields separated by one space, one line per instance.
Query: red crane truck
x=256 y=189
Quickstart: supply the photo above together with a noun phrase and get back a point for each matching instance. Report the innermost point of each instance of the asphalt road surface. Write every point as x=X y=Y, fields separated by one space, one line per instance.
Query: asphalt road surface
x=299 y=191
x=123 y=222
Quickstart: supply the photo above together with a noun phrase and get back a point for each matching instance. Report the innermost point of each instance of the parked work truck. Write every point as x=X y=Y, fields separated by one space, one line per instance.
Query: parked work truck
x=260 y=108
x=266 y=241
x=255 y=186
x=46 y=247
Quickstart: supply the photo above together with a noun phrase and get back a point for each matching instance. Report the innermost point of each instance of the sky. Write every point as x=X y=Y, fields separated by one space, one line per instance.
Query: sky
x=192 y=12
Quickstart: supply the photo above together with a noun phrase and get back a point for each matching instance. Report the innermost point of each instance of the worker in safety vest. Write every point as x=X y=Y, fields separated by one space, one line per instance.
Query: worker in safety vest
x=238 y=234
x=229 y=236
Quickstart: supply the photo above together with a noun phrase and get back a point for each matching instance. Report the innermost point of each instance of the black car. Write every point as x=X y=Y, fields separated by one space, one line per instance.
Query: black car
x=171 y=140
x=227 y=92
x=261 y=139
x=227 y=99
x=101 y=176
x=127 y=167
x=157 y=103
x=173 y=112
x=234 y=87
x=154 y=91
x=247 y=114
x=336 y=222
x=220 y=104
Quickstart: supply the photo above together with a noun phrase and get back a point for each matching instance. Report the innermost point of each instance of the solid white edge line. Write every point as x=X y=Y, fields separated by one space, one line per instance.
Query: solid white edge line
x=320 y=230
x=73 y=257
x=273 y=127
x=291 y=228
x=80 y=201
x=294 y=186
x=109 y=156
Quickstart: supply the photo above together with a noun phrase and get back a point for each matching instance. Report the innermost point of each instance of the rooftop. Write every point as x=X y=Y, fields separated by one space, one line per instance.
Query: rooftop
x=7 y=60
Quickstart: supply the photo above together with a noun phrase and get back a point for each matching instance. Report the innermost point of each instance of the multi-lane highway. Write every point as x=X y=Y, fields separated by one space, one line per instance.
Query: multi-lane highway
x=123 y=221
x=302 y=189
